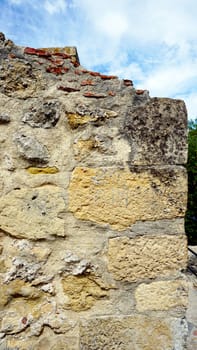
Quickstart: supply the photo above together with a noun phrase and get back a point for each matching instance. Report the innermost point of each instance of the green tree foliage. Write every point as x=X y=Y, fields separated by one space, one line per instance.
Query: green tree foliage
x=191 y=215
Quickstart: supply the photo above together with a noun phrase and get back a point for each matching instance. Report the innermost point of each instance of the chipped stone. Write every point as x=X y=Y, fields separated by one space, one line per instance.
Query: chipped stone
x=46 y=115
x=31 y=149
x=32 y=211
x=4 y=118
x=75 y=265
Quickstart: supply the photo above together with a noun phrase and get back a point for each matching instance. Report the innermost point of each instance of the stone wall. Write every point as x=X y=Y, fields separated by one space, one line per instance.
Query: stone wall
x=93 y=198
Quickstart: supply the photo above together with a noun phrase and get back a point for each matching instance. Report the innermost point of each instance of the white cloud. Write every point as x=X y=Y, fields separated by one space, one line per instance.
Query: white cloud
x=54 y=6
x=113 y=25
x=167 y=79
x=152 y=42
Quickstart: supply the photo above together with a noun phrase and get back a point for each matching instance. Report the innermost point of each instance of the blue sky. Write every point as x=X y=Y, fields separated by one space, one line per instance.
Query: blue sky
x=152 y=42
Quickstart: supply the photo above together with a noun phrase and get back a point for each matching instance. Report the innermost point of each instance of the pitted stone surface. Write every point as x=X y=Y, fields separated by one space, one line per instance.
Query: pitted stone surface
x=121 y=197
x=45 y=116
x=135 y=259
x=83 y=291
x=31 y=149
x=92 y=202
x=162 y=295
x=26 y=213
x=132 y=332
x=157 y=132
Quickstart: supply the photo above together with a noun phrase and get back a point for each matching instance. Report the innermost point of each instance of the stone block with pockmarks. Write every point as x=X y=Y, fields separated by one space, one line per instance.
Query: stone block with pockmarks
x=120 y=197
x=135 y=259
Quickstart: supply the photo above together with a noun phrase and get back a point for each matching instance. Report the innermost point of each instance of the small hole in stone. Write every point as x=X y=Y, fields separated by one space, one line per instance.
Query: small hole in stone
x=34 y=197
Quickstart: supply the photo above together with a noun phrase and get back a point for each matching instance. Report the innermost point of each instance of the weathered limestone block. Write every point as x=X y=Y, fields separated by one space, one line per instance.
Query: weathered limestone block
x=84 y=114
x=26 y=213
x=162 y=295
x=48 y=340
x=132 y=332
x=31 y=149
x=19 y=288
x=157 y=132
x=134 y=259
x=120 y=197
x=45 y=114
x=93 y=198
x=22 y=313
x=83 y=291
x=20 y=81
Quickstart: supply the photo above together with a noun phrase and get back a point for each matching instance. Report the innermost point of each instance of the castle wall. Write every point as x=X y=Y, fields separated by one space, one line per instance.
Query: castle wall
x=93 y=197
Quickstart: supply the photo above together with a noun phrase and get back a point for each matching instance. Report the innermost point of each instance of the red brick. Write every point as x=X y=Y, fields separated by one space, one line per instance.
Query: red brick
x=87 y=82
x=75 y=63
x=78 y=72
x=128 y=82
x=37 y=52
x=107 y=77
x=58 y=62
x=92 y=94
x=67 y=88
x=94 y=74
x=61 y=54
x=139 y=92
x=57 y=70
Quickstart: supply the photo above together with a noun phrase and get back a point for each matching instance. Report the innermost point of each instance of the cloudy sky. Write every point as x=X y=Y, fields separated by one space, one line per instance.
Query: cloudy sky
x=152 y=42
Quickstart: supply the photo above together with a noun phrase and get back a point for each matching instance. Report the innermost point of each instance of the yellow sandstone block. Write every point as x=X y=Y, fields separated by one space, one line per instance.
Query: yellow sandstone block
x=47 y=170
x=162 y=295
x=121 y=197
x=135 y=259
x=83 y=291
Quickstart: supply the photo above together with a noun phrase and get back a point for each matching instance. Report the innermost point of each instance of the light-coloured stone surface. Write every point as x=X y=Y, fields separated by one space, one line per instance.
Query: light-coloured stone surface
x=48 y=340
x=83 y=291
x=133 y=259
x=155 y=142
x=121 y=197
x=92 y=202
x=26 y=213
x=162 y=295
x=135 y=332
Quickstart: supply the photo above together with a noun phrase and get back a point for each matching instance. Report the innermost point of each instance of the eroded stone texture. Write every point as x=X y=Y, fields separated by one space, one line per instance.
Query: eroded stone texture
x=121 y=197
x=46 y=115
x=26 y=213
x=134 y=332
x=92 y=201
x=31 y=149
x=162 y=295
x=19 y=288
x=4 y=119
x=157 y=132
x=48 y=340
x=83 y=291
x=44 y=170
x=22 y=313
x=87 y=115
x=134 y=259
